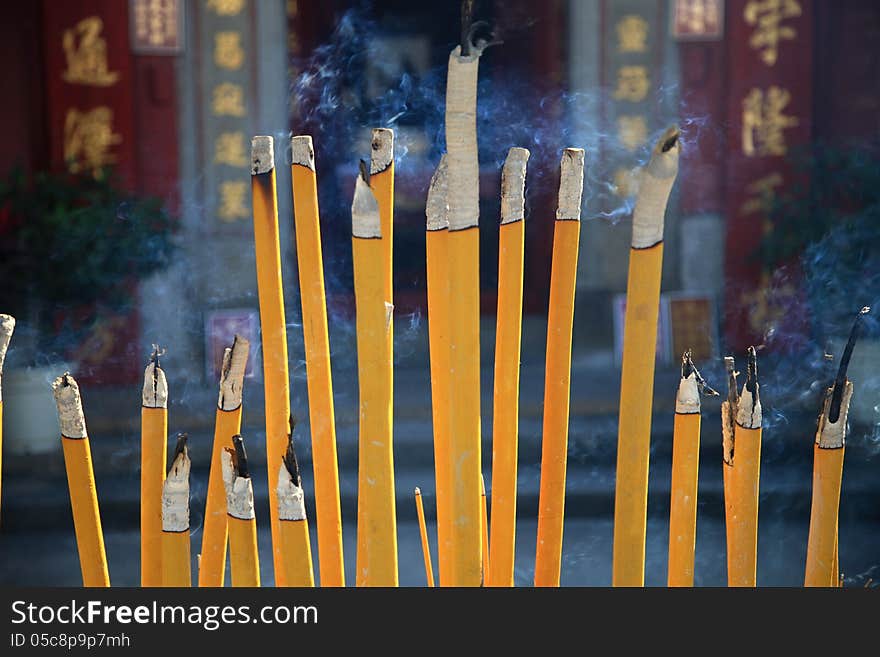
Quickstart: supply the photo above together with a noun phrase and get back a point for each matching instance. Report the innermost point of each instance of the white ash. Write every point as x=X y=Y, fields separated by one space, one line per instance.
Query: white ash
x=302 y=152
x=155 y=393
x=262 y=154
x=571 y=184
x=175 y=495
x=436 y=207
x=832 y=435
x=291 y=498
x=655 y=184
x=7 y=326
x=239 y=490
x=687 y=400
x=365 y=212
x=382 y=150
x=232 y=374
x=748 y=410
x=513 y=185
x=70 y=410
x=461 y=140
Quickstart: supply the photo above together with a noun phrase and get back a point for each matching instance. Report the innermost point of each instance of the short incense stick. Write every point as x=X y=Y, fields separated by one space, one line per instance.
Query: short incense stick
x=377 y=516
x=828 y=452
x=273 y=328
x=176 y=568
x=310 y=261
x=7 y=326
x=81 y=482
x=639 y=351
x=154 y=441
x=508 y=341
x=227 y=423
x=742 y=556
x=423 y=533
x=294 y=525
x=244 y=561
x=557 y=379
x=437 y=268
x=685 y=474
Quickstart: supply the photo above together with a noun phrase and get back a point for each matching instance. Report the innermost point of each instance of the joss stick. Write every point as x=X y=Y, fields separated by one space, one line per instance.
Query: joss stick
x=828 y=452
x=742 y=556
x=227 y=423
x=175 y=566
x=728 y=425
x=81 y=482
x=508 y=340
x=154 y=440
x=685 y=474
x=276 y=380
x=309 y=259
x=423 y=533
x=377 y=523
x=437 y=275
x=7 y=326
x=382 y=183
x=244 y=561
x=639 y=350
x=294 y=525
x=557 y=378
x=484 y=523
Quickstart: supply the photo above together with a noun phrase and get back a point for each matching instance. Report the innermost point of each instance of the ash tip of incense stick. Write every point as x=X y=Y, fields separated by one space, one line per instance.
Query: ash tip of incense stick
x=655 y=184
x=437 y=207
x=571 y=185
x=831 y=434
x=513 y=185
x=365 y=209
x=7 y=326
x=232 y=374
x=291 y=497
x=239 y=490
x=417 y=491
x=840 y=379
x=688 y=398
x=381 y=150
x=262 y=154
x=302 y=152
x=69 y=403
x=175 y=489
x=155 y=392
x=748 y=410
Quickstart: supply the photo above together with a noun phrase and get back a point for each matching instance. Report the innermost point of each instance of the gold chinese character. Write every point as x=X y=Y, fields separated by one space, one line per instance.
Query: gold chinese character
x=763 y=123
x=226 y=7
x=632 y=34
x=229 y=149
x=233 y=194
x=228 y=52
x=228 y=100
x=632 y=131
x=632 y=83
x=292 y=7
x=88 y=137
x=86 y=53
x=767 y=17
x=761 y=193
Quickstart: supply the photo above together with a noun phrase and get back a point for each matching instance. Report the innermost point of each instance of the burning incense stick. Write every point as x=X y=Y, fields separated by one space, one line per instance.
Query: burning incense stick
x=317 y=347
x=508 y=340
x=227 y=423
x=244 y=560
x=728 y=425
x=382 y=183
x=437 y=268
x=154 y=440
x=484 y=522
x=294 y=525
x=175 y=566
x=637 y=375
x=273 y=328
x=828 y=452
x=742 y=556
x=557 y=379
x=423 y=532
x=81 y=482
x=377 y=523
x=685 y=474
x=7 y=326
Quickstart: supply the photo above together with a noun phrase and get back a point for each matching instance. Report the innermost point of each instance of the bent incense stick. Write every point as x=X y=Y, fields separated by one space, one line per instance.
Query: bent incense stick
x=154 y=440
x=244 y=561
x=423 y=534
x=294 y=524
x=176 y=568
x=637 y=372
x=7 y=326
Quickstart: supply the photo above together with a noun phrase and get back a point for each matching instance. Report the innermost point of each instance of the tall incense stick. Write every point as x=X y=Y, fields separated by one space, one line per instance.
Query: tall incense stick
x=154 y=444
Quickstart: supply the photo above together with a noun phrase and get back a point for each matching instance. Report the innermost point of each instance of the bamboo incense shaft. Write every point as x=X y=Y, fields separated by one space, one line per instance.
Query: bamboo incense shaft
x=484 y=522
x=244 y=561
x=508 y=342
x=639 y=351
x=81 y=482
x=557 y=379
x=276 y=379
x=310 y=262
x=175 y=538
x=154 y=442
x=377 y=524
x=227 y=423
x=463 y=244
x=294 y=524
x=7 y=326
x=437 y=275
x=382 y=183
x=423 y=533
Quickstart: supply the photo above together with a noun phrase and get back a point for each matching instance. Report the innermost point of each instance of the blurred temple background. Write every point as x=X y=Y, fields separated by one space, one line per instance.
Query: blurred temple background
x=125 y=221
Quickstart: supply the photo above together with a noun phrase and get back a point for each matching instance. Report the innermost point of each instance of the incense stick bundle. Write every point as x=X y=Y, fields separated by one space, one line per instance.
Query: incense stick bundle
x=317 y=347
x=508 y=342
x=294 y=525
x=639 y=350
x=7 y=326
x=81 y=482
x=227 y=423
x=176 y=568
x=377 y=515
x=423 y=533
x=154 y=442
x=276 y=380
x=557 y=378
x=244 y=560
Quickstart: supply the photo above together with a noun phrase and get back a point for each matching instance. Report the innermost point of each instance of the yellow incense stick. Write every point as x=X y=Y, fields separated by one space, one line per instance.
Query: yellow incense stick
x=7 y=326
x=154 y=440
x=244 y=561
x=423 y=532
x=294 y=524
x=484 y=523
x=175 y=565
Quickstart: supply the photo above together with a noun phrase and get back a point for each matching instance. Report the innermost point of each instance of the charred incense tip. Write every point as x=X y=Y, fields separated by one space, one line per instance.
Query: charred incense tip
x=748 y=411
x=831 y=434
x=241 y=461
x=669 y=139
x=155 y=392
x=418 y=491
x=239 y=490
x=513 y=185
x=232 y=374
x=175 y=490
x=302 y=152
x=571 y=185
x=291 y=497
x=262 y=154
x=180 y=447
x=840 y=379
x=436 y=207
x=69 y=403
x=687 y=401
x=7 y=326
x=365 y=209
x=381 y=150
x=655 y=184
x=290 y=462
x=732 y=390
